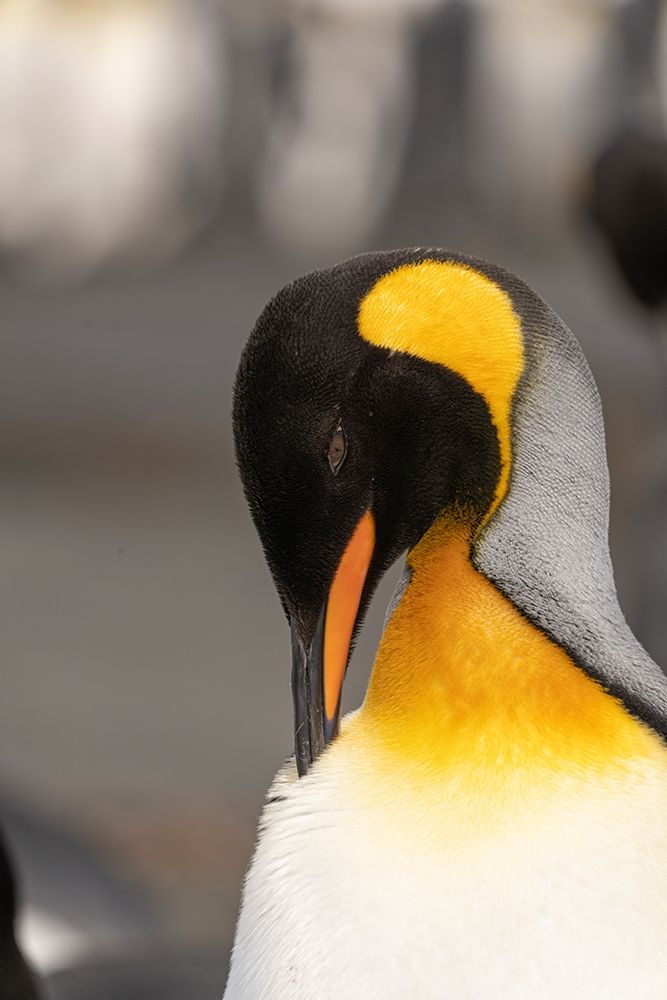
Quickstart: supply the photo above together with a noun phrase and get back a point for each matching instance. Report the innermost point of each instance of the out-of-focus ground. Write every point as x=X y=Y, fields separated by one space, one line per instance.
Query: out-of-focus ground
x=145 y=700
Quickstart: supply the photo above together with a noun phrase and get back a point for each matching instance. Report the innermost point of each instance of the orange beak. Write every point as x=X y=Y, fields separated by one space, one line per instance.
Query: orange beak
x=318 y=674
x=341 y=614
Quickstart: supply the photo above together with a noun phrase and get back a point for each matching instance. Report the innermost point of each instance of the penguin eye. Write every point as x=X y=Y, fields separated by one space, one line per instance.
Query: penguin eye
x=337 y=450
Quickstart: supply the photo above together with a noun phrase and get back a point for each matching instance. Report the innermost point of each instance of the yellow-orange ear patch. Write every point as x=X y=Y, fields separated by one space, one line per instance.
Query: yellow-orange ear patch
x=452 y=315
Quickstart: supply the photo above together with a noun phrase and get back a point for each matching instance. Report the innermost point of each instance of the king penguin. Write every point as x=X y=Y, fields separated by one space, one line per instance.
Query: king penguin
x=492 y=822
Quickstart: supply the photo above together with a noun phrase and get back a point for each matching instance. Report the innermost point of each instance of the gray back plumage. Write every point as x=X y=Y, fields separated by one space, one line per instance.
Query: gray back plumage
x=546 y=547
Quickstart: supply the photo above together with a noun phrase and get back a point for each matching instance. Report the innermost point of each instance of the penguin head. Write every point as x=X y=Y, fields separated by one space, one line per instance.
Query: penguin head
x=349 y=450
x=330 y=428
x=403 y=388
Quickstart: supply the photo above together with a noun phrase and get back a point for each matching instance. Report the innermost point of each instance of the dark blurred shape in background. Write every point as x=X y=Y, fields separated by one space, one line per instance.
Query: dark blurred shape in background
x=16 y=979
x=629 y=178
x=630 y=204
x=165 y=166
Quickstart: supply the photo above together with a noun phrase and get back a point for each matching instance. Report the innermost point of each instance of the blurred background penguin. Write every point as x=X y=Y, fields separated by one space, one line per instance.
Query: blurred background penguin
x=165 y=166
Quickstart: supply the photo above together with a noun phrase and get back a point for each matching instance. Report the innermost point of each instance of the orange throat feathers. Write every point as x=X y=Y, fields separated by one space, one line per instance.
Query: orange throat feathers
x=463 y=682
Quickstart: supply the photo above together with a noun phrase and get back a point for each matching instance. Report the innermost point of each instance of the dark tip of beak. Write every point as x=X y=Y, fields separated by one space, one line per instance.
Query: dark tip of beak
x=312 y=729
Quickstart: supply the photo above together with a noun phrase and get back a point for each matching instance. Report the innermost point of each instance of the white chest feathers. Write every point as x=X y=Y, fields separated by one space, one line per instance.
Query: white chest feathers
x=355 y=893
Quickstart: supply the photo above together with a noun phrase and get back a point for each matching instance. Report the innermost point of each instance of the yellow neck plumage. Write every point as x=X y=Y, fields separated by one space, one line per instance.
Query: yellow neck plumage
x=463 y=683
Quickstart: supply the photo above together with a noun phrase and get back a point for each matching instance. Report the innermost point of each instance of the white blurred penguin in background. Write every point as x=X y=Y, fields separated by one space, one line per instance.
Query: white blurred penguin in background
x=541 y=102
x=111 y=118
x=336 y=146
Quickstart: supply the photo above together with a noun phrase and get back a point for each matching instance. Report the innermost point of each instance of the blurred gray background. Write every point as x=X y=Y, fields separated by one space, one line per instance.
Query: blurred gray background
x=165 y=167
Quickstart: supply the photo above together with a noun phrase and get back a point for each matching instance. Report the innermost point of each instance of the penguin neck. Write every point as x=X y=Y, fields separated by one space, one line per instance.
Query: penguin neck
x=463 y=680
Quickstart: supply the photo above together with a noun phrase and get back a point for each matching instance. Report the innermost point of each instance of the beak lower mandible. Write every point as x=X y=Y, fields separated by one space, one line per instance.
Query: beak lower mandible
x=318 y=673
